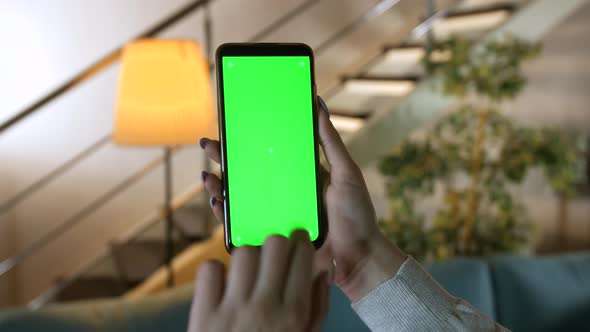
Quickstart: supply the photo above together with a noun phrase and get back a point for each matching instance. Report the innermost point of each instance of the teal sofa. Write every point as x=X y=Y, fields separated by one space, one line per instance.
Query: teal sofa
x=522 y=293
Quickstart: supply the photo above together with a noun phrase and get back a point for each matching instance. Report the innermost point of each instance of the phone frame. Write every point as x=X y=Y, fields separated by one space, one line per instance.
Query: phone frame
x=267 y=49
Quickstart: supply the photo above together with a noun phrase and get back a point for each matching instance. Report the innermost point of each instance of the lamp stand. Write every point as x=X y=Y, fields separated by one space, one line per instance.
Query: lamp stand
x=169 y=214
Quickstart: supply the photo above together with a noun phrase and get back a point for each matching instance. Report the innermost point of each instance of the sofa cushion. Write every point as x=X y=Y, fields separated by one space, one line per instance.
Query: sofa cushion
x=468 y=279
x=167 y=311
x=26 y=321
x=341 y=317
x=543 y=294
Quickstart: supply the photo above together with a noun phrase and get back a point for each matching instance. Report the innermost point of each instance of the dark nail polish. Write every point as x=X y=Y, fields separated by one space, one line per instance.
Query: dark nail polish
x=323 y=105
x=204 y=176
x=203 y=141
x=212 y=201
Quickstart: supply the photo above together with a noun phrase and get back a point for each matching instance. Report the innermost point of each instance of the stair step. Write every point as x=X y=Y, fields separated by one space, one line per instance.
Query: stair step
x=404 y=59
x=91 y=288
x=363 y=95
x=381 y=85
x=399 y=60
x=471 y=21
x=137 y=260
x=355 y=105
x=347 y=123
x=104 y=267
x=194 y=221
x=155 y=232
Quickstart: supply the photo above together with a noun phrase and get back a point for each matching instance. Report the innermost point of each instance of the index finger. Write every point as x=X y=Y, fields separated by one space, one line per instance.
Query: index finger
x=212 y=149
x=299 y=283
x=209 y=289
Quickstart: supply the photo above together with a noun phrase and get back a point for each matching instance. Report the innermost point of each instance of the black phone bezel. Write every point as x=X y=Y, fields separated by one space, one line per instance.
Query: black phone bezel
x=267 y=49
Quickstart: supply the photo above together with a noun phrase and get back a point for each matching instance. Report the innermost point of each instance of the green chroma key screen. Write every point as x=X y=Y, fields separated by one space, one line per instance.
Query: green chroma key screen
x=269 y=147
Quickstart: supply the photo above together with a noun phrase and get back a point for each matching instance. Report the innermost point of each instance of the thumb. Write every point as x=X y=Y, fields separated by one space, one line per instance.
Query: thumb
x=338 y=157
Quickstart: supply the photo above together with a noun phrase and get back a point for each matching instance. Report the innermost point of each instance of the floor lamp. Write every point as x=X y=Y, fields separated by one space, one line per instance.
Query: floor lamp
x=163 y=99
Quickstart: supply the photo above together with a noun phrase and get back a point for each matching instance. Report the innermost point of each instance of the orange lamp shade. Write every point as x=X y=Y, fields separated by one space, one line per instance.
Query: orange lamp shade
x=163 y=94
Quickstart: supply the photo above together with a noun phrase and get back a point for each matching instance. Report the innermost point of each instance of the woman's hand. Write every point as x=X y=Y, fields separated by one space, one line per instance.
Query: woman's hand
x=267 y=289
x=363 y=257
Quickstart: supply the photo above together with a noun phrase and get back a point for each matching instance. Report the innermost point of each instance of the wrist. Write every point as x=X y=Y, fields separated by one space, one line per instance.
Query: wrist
x=381 y=263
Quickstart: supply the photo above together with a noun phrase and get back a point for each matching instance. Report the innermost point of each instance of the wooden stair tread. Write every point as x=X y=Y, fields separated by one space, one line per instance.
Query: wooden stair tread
x=138 y=259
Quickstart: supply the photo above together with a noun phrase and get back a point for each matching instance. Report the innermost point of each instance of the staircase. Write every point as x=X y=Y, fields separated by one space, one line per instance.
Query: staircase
x=383 y=79
x=127 y=263
x=386 y=79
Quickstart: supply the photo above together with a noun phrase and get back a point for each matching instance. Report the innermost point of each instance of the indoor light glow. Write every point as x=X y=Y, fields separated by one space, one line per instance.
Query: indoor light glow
x=346 y=124
x=469 y=23
x=163 y=94
x=412 y=56
x=379 y=87
x=405 y=56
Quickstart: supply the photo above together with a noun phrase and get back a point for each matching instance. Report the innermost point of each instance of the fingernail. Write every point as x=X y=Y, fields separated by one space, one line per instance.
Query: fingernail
x=323 y=105
x=203 y=141
x=300 y=235
x=212 y=201
x=204 y=176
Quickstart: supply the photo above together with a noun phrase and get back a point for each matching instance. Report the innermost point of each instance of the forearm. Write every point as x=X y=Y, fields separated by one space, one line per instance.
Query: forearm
x=391 y=291
x=381 y=264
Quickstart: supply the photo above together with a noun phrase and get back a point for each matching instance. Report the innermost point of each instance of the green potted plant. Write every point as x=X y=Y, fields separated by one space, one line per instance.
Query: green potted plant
x=469 y=159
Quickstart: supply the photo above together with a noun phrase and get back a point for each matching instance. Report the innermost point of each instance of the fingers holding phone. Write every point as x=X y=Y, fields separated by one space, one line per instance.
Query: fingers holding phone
x=262 y=294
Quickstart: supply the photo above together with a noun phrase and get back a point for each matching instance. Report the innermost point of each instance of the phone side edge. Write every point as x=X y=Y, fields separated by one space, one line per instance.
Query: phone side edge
x=221 y=127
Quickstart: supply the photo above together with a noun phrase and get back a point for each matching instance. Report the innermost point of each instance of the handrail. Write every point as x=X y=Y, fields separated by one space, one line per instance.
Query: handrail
x=44 y=180
x=12 y=261
x=99 y=66
x=113 y=56
x=282 y=20
x=49 y=294
x=7 y=264
x=59 y=170
x=375 y=11
x=419 y=30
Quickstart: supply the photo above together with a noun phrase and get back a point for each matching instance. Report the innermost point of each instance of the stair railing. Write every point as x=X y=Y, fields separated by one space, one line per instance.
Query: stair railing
x=421 y=29
x=9 y=263
x=104 y=63
x=142 y=227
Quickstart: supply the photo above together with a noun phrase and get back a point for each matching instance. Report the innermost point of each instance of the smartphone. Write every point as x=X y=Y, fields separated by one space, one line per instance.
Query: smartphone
x=268 y=129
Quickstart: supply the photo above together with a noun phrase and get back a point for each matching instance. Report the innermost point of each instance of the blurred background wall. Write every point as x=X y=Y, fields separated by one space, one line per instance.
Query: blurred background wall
x=47 y=42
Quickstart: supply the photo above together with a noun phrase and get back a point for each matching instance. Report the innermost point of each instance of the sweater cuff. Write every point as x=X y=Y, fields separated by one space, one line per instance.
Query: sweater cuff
x=411 y=300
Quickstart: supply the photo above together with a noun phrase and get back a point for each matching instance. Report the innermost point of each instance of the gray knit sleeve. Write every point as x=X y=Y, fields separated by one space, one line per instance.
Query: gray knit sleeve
x=413 y=301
